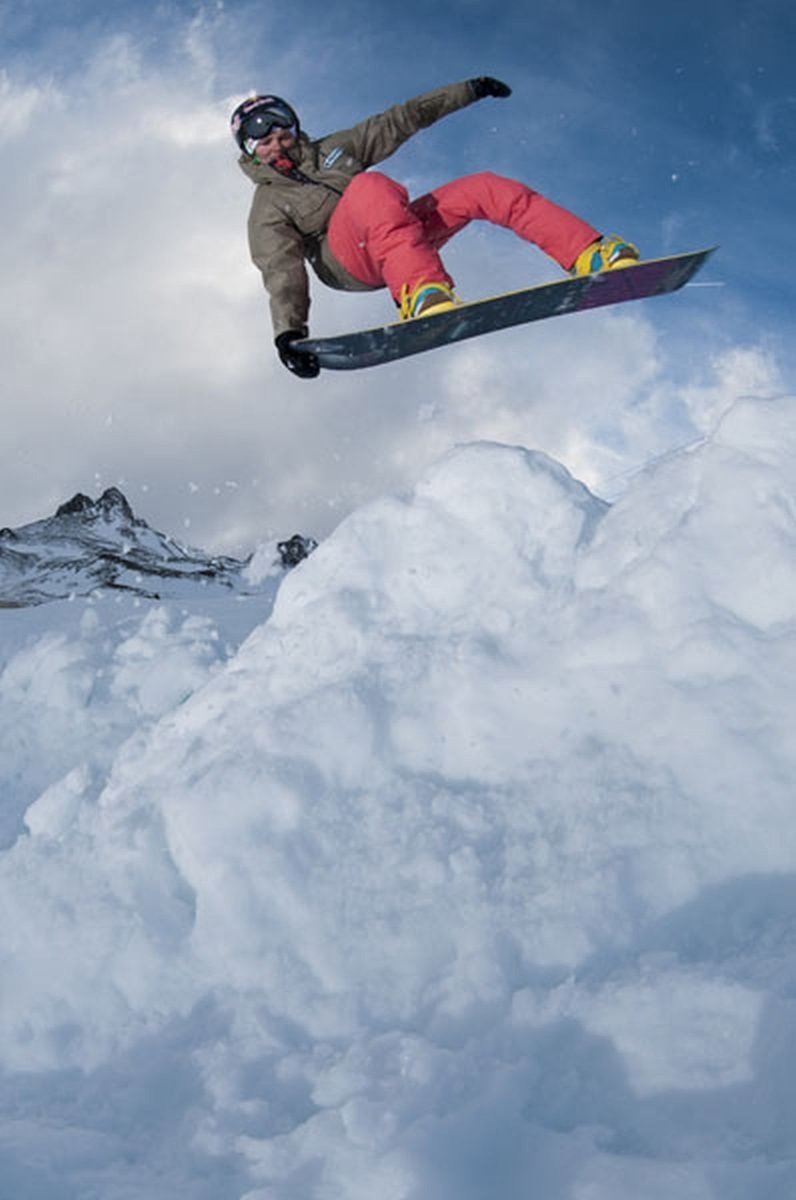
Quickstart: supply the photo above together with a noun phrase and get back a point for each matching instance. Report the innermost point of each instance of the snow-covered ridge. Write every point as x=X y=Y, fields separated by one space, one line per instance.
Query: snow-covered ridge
x=90 y=544
x=470 y=872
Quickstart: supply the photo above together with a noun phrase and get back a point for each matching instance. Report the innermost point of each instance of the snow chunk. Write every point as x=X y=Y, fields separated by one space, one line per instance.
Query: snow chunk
x=474 y=864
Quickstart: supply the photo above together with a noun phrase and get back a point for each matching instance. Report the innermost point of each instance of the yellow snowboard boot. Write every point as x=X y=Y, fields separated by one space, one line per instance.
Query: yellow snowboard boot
x=426 y=298
x=606 y=254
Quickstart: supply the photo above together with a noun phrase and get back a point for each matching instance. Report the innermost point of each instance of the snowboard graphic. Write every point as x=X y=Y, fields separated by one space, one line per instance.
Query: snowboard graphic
x=369 y=347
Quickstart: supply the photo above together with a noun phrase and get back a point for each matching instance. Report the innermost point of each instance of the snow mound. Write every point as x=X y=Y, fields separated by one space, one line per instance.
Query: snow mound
x=472 y=872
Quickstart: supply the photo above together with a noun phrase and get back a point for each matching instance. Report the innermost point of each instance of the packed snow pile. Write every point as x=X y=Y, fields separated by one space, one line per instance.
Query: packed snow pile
x=472 y=872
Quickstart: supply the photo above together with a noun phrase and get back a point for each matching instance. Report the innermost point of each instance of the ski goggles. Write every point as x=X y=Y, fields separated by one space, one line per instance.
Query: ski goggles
x=258 y=125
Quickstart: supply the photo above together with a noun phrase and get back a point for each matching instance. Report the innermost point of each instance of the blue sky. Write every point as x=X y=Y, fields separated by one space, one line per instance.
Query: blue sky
x=135 y=333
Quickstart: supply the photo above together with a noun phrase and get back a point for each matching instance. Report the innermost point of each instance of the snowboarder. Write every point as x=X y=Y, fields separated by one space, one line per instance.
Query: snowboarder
x=316 y=200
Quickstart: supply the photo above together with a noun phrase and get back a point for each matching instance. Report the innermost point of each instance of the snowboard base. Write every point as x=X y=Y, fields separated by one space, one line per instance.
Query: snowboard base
x=370 y=347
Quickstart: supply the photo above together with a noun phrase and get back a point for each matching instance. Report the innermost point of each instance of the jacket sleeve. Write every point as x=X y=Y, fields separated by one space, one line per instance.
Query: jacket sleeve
x=377 y=137
x=277 y=250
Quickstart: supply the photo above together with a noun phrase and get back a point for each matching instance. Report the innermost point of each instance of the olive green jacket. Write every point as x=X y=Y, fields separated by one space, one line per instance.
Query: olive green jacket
x=290 y=216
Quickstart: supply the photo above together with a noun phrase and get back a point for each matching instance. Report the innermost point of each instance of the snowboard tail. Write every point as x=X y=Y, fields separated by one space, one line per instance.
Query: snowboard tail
x=370 y=347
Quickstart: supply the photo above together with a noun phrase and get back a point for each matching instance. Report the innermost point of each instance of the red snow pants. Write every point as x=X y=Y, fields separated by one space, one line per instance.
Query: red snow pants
x=381 y=237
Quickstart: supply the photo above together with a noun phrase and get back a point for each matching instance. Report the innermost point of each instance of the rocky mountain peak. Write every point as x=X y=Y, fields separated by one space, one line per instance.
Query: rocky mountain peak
x=112 y=502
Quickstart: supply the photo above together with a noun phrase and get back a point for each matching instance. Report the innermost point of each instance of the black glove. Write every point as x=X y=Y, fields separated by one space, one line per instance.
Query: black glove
x=485 y=85
x=305 y=365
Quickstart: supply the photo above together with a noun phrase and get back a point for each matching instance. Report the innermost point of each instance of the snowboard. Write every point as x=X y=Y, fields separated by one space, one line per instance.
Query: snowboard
x=370 y=347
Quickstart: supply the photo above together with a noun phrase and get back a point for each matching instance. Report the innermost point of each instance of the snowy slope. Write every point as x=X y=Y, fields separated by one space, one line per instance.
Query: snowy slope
x=471 y=873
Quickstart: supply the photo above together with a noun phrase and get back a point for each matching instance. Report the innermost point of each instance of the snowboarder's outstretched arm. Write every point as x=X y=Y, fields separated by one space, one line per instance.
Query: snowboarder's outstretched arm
x=377 y=137
x=277 y=250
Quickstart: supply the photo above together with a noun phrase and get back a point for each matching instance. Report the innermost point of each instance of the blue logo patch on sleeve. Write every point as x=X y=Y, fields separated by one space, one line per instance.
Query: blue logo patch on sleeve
x=332 y=156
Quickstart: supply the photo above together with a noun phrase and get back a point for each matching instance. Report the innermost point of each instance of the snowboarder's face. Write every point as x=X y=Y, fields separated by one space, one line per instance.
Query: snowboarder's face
x=277 y=143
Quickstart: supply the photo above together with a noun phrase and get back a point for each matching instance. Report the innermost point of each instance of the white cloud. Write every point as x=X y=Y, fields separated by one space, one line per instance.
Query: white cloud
x=740 y=373
x=18 y=105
